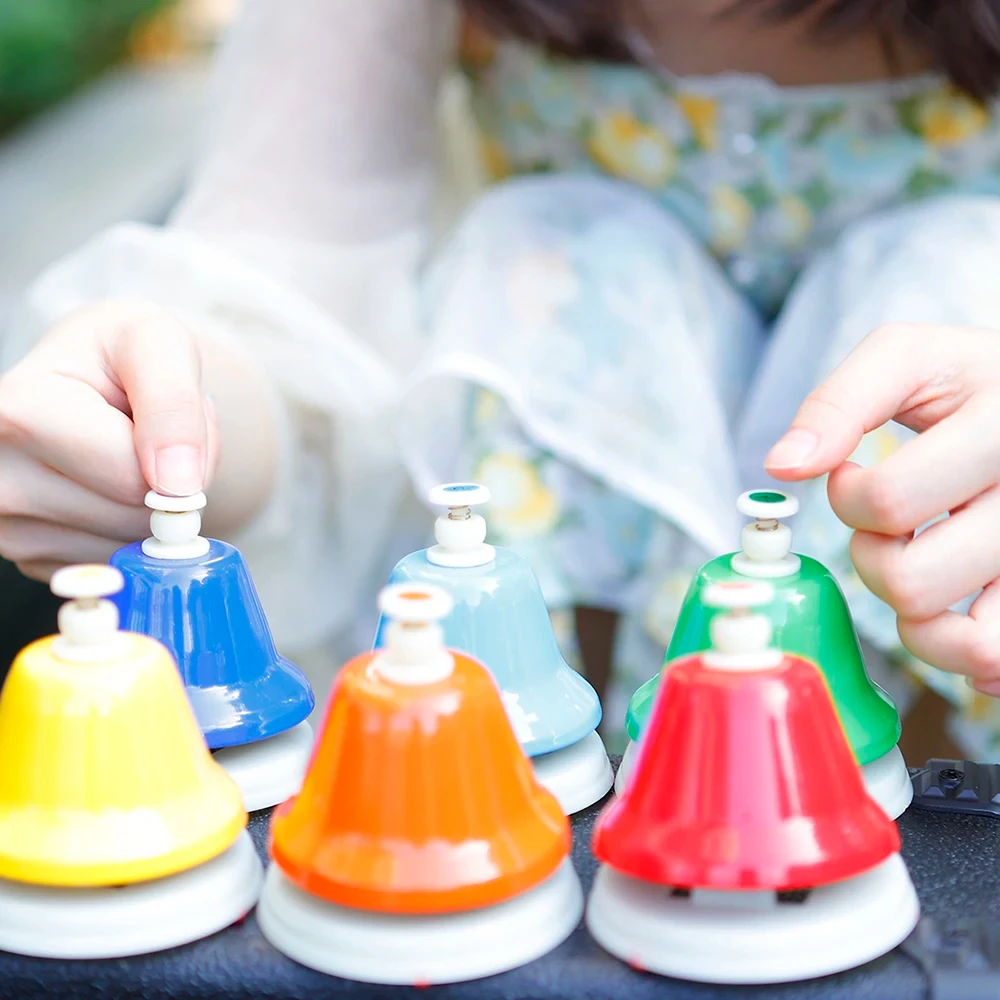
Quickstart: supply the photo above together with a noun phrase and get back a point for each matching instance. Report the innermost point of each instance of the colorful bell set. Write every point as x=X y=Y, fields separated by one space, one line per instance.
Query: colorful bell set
x=195 y=595
x=119 y=834
x=745 y=847
x=421 y=848
x=500 y=619
x=810 y=618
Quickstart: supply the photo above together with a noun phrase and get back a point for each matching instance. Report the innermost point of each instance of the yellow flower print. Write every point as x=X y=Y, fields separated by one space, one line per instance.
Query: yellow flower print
x=980 y=707
x=950 y=117
x=885 y=443
x=732 y=216
x=626 y=148
x=521 y=507
x=703 y=115
x=876 y=446
x=796 y=220
x=665 y=605
x=494 y=159
x=486 y=408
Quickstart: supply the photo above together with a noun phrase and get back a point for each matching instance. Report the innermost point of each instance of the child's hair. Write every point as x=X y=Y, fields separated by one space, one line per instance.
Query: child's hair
x=962 y=36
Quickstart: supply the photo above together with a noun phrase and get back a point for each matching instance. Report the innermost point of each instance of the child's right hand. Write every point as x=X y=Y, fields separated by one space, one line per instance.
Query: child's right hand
x=107 y=405
x=943 y=382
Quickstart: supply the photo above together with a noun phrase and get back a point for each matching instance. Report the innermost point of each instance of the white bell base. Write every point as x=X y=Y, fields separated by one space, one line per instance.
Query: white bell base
x=887 y=780
x=625 y=767
x=402 y=949
x=271 y=770
x=112 y=922
x=837 y=927
x=578 y=775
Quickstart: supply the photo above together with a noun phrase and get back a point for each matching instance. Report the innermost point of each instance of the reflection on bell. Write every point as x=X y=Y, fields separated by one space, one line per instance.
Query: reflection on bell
x=118 y=832
x=196 y=596
x=745 y=847
x=501 y=620
x=421 y=849
x=811 y=619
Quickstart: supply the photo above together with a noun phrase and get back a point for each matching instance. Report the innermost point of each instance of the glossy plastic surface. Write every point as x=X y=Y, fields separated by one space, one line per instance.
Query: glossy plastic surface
x=104 y=776
x=501 y=620
x=418 y=799
x=207 y=613
x=811 y=619
x=744 y=780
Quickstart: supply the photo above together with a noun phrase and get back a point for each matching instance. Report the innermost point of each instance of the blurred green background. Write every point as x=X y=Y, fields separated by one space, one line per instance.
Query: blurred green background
x=48 y=48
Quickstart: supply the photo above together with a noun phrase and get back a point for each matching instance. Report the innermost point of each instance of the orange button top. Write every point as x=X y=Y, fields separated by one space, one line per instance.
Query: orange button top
x=418 y=799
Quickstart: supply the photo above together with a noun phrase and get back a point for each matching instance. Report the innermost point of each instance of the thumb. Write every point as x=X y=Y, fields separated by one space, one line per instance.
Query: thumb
x=876 y=381
x=157 y=361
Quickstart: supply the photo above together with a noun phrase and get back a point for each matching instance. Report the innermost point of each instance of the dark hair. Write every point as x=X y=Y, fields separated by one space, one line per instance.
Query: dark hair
x=961 y=36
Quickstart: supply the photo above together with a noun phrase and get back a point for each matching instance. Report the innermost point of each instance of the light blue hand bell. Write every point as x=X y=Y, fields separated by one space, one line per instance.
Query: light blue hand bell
x=195 y=595
x=500 y=618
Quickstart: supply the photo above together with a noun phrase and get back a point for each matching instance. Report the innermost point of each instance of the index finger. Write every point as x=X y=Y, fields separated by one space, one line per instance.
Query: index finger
x=882 y=378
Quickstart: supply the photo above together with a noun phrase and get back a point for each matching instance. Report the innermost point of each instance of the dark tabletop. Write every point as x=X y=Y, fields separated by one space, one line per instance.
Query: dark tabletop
x=955 y=954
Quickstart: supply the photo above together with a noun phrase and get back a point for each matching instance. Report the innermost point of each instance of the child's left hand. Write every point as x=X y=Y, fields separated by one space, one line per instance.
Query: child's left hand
x=945 y=383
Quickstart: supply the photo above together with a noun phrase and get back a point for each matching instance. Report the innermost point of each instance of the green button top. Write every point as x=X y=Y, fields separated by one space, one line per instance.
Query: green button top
x=767 y=504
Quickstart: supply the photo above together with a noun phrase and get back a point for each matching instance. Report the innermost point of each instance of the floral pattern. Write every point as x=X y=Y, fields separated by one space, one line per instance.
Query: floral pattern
x=763 y=176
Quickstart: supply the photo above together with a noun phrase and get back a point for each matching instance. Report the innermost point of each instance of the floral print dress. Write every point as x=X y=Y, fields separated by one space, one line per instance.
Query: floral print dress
x=763 y=180
x=763 y=175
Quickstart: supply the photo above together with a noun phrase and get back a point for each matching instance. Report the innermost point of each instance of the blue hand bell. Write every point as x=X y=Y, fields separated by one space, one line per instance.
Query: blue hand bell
x=195 y=595
x=500 y=619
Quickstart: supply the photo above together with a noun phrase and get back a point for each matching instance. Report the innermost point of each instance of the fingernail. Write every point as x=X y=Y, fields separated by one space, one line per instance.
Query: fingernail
x=792 y=450
x=179 y=470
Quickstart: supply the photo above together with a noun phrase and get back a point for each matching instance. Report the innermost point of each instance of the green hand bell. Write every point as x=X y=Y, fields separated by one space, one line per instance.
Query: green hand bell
x=810 y=619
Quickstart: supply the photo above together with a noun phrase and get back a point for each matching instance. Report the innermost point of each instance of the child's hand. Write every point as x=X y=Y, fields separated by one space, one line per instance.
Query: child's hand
x=107 y=404
x=944 y=382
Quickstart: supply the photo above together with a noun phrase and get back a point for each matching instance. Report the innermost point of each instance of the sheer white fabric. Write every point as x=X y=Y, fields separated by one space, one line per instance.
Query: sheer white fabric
x=309 y=212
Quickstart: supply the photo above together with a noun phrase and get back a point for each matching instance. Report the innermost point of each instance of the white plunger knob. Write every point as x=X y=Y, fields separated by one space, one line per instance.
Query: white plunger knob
x=414 y=651
x=87 y=583
x=460 y=534
x=767 y=545
x=740 y=640
x=88 y=622
x=176 y=526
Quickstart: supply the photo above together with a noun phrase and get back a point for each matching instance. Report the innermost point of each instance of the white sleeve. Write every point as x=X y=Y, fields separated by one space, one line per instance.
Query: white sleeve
x=322 y=149
x=299 y=239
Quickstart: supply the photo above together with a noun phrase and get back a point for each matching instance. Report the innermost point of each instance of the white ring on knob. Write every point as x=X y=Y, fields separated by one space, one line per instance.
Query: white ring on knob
x=87 y=582
x=459 y=495
x=753 y=505
x=175 y=505
x=738 y=595
x=415 y=603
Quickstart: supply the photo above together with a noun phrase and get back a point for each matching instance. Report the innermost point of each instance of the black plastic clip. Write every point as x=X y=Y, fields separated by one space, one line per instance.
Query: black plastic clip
x=961 y=958
x=957 y=786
